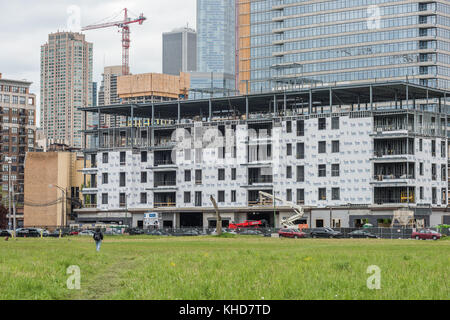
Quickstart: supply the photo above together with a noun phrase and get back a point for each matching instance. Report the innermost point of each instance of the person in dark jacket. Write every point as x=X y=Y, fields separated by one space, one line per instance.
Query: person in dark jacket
x=98 y=237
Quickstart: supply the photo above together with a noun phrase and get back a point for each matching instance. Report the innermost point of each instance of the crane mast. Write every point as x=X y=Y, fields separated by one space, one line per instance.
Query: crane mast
x=286 y=222
x=125 y=26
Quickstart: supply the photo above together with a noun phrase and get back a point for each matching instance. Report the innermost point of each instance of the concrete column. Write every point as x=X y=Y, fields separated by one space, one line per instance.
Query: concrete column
x=246 y=106
x=284 y=103
x=132 y=126
x=210 y=109
x=179 y=111
x=371 y=97
x=310 y=101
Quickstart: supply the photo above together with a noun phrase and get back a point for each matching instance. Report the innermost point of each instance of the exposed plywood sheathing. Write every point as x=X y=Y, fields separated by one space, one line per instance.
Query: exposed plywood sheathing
x=153 y=84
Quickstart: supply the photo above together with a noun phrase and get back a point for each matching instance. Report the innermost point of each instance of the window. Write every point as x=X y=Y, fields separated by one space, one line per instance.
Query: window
x=122 y=179
x=198 y=198
x=443 y=172
x=198 y=176
x=289 y=149
x=105 y=178
x=335 y=170
x=144 y=156
x=122 y=200
x=421 y=193
x=187 y=175
x=300 y=196
x=322 y=170
x=187 y=197
x=420 y=144
x=233 y=195
x=221 y=174
x=433 y=195
x=433 y=171
x=322 y=147
x=421 y=168
x=335 y=146
x=300 y=150
x=187 y=154
x=105 y=157
x=334 y=123
x=288 y=172
x=335 y=194
x=144 y=177
x=322 y=123
x=443 y=196
x=104 y=198
x=288 y=126
x=122 y=158
x=198 y=155
x=433 y=148
x=300 y=128
x=300 y=173
x=443 y=149
x=322 y=194
x=319 y=223
x=233 y=173
x=289 y=194
x=143 y=197
x=221 y=196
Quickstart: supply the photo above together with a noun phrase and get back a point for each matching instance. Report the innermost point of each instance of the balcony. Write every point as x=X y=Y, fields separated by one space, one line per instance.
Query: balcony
x=262 y=203
x=167 y=183
x=260 y=179
x=164 y=204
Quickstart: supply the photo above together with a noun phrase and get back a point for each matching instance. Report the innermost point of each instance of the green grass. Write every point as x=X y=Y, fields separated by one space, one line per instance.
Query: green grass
x=240 y=267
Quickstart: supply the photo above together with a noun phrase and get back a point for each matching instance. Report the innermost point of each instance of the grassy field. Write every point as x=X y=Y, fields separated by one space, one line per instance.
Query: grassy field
x=224 y=268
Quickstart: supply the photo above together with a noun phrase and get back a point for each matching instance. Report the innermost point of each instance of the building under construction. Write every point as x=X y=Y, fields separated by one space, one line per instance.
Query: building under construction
x=348 y=154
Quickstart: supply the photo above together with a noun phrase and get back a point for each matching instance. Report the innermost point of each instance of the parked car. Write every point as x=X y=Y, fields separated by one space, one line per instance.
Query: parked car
x=74 y=233
x=28 y=233
x=5 y=233
x=425 y=234
x=254 y=232
x=325 y=233
x=291 y=233
x=157 y=233
x=45 y=233
x=86 y=233
x=135 y=231
x=187 y=233
x=55 y=234
x=362 y=233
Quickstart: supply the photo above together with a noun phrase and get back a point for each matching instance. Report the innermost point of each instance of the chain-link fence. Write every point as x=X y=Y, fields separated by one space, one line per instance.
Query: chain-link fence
x=375 y=232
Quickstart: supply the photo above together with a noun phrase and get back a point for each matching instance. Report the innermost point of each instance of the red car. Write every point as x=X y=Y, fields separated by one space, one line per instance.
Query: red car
x=73 y=233
x=291 y=233
x=426 y=234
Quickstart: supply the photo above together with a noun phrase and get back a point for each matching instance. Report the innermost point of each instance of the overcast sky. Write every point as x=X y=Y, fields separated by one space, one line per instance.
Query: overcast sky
x=26 y=25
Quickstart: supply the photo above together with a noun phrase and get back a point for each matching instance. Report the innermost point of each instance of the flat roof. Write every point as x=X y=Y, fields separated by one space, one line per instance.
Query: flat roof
x=263 y=102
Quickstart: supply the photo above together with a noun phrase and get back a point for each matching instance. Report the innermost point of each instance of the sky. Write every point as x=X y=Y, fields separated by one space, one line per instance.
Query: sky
x=26 y=25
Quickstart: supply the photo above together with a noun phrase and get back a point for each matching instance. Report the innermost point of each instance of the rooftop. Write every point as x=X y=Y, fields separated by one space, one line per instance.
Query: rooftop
x=263 y=102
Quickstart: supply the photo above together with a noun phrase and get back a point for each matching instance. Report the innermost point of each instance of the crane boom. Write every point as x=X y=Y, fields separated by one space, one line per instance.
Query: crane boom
x=287 y=222
x=124 y=25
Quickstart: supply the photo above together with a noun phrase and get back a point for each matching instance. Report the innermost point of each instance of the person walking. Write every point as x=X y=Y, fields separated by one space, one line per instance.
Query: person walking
x=98 y=237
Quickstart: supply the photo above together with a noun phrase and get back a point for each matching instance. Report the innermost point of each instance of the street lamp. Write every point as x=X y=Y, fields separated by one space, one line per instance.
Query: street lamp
x=64 y=197
x=9 y=160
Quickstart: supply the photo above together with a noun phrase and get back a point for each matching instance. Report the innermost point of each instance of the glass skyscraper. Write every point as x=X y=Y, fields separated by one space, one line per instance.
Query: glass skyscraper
x=216 y=36
x=292 y=43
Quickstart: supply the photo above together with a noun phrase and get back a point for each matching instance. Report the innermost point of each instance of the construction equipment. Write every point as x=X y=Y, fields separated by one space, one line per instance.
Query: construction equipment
x=219 y=218
x=248 y=224
x=286 y=222
x=124 y=25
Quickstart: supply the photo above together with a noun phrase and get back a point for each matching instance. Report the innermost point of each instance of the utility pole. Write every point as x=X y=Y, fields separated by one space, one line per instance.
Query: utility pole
x=9 y=193
x=14 y=210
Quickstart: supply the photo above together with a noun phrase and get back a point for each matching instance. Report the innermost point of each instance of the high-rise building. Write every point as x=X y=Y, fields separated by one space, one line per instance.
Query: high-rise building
x=107 y=94
x=66 y=85
x=17 y=137
x=216 y=36
x=179 y=51
x=286 y=43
